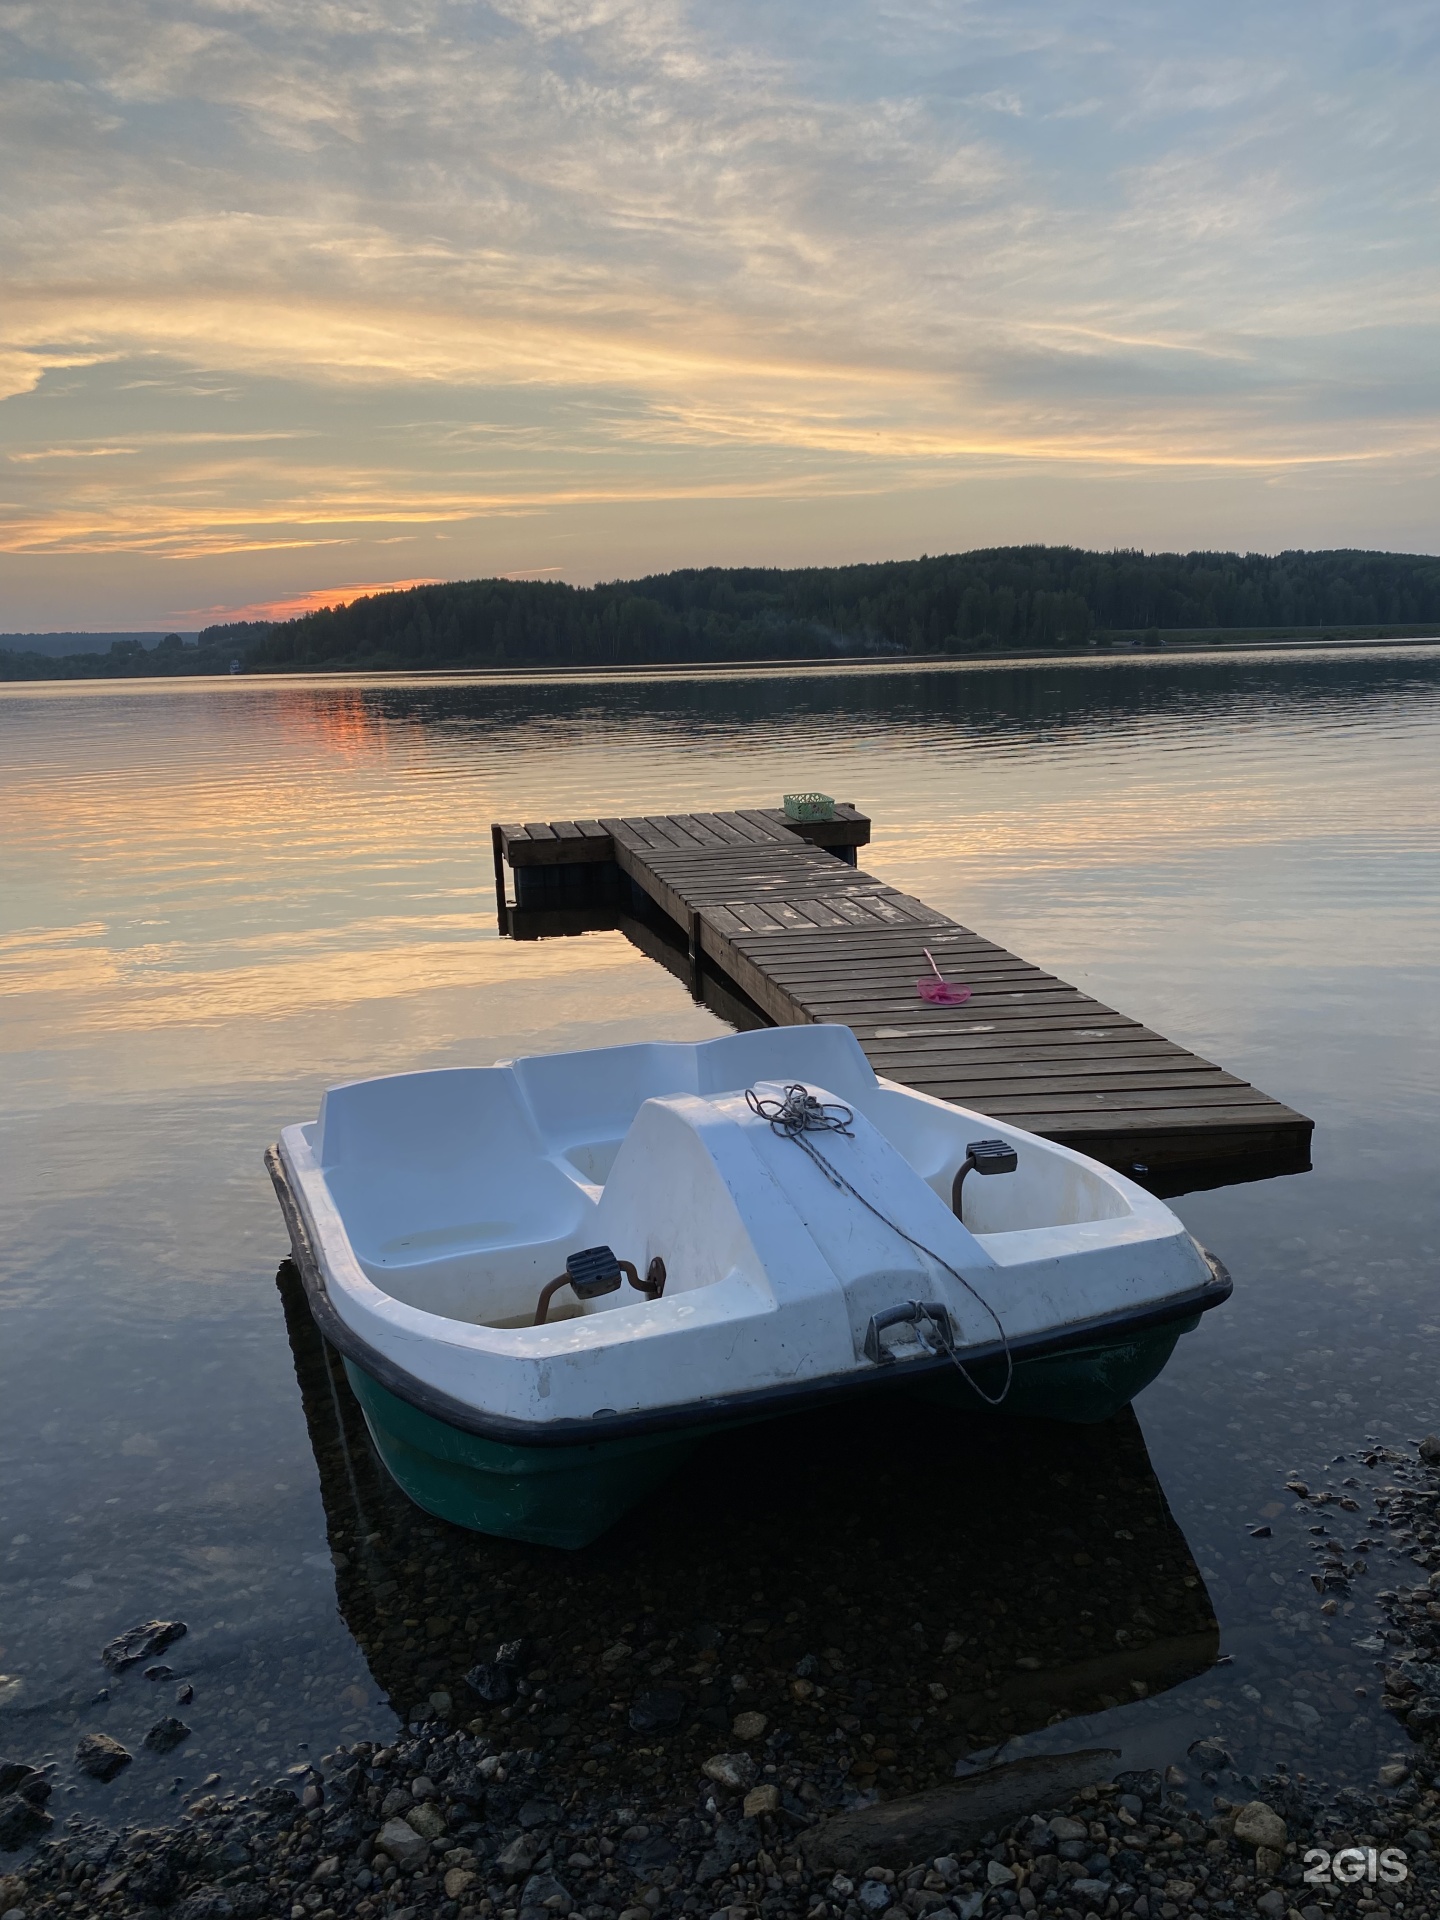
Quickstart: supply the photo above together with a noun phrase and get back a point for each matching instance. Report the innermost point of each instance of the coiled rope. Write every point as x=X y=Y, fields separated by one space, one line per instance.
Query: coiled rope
x=799 y=1114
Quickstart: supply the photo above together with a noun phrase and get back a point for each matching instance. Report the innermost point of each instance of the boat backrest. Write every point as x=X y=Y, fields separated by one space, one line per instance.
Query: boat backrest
x=456 y=1116
x=596 y=1094
x=826 y=1056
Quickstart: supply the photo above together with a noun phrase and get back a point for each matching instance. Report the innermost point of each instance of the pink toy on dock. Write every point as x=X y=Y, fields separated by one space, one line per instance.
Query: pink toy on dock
x=939 y=991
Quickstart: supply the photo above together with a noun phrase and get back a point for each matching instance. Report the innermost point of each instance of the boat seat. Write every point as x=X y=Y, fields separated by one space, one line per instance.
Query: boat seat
x=447 y=1196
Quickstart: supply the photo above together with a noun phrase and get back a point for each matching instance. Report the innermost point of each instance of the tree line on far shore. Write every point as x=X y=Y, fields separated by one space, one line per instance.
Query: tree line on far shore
x=996 y=599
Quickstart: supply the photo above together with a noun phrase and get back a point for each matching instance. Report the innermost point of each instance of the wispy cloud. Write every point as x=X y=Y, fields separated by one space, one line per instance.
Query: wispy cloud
x=280 y=275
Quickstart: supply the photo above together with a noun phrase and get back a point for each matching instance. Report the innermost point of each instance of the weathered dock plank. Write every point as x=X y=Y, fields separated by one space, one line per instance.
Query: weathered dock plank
x=805 y=935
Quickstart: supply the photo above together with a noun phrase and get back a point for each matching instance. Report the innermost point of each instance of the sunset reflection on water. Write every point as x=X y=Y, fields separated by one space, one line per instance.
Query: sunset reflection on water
x=218 y=899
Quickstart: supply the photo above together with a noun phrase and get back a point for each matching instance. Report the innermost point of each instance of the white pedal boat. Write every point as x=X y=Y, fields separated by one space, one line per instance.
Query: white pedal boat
x=727 y=1273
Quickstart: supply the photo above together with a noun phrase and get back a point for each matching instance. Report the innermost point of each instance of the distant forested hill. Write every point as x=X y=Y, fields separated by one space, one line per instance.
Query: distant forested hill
x=124 y=658
x=1001 y=597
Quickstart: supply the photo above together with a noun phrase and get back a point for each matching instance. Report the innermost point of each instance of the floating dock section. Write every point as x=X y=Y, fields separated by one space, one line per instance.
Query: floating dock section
x=781 y=912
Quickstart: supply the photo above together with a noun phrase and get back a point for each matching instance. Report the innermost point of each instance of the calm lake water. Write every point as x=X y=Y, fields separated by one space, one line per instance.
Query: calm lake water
x=218 y=899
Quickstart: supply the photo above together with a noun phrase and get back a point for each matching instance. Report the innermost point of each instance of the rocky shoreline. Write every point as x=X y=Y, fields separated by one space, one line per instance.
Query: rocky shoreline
x=443 y=1824
x=640 y=1802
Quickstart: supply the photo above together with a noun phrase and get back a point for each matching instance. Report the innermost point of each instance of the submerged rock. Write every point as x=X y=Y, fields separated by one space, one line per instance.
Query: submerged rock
x=100 y=1756
x=128 y=1649
x=166 y=1734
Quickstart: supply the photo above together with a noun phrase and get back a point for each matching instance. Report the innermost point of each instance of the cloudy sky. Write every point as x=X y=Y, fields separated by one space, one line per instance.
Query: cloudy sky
x=300 y=296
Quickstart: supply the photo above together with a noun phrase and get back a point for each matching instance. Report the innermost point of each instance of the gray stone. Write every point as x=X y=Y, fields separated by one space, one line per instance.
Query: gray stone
x=1272 y=1903
x=153 y=1885
x=20 y=1822
x=493 y=1680
x=515 y=1860
x=543 y=1890
x=1394 y=1774
x=733 y=1770
x=403 y=1844
x=1257 y=1825
x=539 y=1813
x=874 y=1896
x=920 y=1825
x=209 y=1903
x=100 y=1756
x=1430 y=1450
x=1092 y=1891
x=1063 y=1827
x=999 y=1875
x=656 y=1709
x=426 y=1819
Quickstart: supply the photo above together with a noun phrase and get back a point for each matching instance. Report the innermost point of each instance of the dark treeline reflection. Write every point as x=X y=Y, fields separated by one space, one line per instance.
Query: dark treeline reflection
x=979 y=701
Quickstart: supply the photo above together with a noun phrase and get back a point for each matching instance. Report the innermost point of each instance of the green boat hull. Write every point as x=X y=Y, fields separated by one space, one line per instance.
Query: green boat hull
x=555 y=1496
x=569 y=1496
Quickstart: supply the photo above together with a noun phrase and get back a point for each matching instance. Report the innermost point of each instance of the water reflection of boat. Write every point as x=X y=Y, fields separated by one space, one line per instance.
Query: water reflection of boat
x=886 y=1618
x=798 y=1231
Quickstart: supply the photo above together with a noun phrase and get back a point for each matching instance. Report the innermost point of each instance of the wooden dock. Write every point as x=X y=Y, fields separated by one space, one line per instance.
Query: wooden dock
x=779 y=910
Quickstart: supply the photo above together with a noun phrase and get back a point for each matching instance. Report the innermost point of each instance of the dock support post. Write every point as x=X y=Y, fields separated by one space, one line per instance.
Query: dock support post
x=696 y=989
x=502 y=905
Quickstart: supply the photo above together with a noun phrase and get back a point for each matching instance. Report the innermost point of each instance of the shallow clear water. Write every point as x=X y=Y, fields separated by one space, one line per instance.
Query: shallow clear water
x=219 y=899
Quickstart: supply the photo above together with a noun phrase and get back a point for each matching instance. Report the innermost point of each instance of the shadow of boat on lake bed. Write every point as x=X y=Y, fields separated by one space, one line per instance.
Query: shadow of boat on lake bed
x=891 y=1586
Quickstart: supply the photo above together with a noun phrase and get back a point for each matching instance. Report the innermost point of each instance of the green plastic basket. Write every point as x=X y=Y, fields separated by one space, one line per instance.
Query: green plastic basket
x=809 y=806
